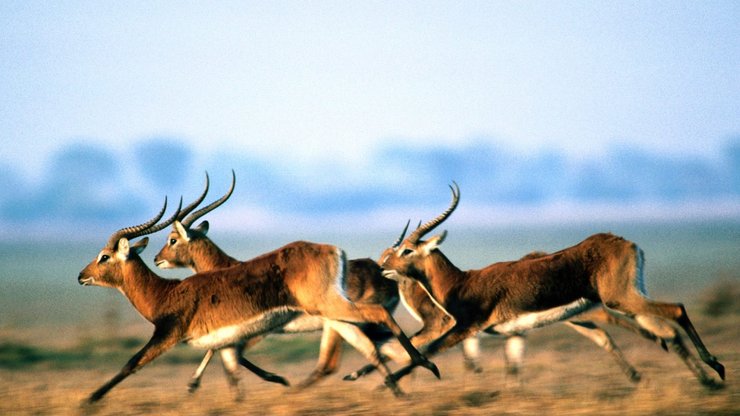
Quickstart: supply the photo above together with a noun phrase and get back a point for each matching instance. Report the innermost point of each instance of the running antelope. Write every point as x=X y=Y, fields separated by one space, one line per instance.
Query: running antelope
x=189 y=247
x=231 y=357
x=604 y=270
x=515 y=341
x=221 y=308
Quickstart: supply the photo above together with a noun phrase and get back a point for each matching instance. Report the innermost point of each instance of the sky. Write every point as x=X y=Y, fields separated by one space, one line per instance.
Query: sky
x=298 y=86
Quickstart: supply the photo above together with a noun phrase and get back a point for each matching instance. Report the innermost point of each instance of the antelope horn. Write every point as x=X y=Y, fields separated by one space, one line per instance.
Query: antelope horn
x=187 y=222
x=153 y=229
x=429 y=226
x=403 y=233
x=185 y=211
x=137 y=230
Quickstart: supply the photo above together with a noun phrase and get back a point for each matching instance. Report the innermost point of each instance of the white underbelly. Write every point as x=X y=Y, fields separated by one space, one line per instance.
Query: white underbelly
x=233 y=334
x=527 y=321
x=302 y=323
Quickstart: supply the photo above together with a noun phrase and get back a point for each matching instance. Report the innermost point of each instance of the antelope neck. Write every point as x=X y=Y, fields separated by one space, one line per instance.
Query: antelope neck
x=208 y=256
x=441 y=274
x=144 y=288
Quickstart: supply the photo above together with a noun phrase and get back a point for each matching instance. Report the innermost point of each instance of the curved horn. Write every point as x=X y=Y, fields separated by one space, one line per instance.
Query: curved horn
x=403 y=234
x=153 y=229
x=137 y=230
x=429 y=226
x=185 y=211
x=187 y=222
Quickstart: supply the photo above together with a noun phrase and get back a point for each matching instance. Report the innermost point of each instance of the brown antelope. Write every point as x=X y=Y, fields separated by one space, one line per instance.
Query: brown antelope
x=231 y=357
x=189 y=247
x=515 y=342
x=221 y=308
x=511 y=297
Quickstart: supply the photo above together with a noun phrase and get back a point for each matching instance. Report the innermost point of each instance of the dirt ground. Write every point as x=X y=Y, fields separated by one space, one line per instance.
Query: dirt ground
x=563 y=374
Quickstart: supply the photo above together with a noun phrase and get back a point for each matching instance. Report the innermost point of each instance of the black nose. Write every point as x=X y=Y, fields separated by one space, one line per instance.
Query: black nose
x=80 y=277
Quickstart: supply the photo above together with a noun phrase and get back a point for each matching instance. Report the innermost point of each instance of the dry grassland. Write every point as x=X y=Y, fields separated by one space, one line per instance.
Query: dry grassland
x=564 y=374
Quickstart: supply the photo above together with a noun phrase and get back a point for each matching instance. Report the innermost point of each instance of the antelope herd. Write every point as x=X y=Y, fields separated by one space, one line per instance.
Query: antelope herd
x=229 y=305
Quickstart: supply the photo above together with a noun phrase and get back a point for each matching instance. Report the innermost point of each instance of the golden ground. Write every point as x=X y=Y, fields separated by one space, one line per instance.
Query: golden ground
x=563 y=374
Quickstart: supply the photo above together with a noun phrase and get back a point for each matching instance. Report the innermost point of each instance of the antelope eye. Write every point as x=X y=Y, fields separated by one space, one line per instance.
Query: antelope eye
x=104 y=258
x=172 y=241
x=406 y=252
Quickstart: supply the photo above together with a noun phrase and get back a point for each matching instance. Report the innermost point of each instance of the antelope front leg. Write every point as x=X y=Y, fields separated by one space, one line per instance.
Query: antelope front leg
x=471 y=354
x=153 y=349
x=434 y=327
x=361 y=343
x=195 y=379
x=378 y=314
x=451 y=338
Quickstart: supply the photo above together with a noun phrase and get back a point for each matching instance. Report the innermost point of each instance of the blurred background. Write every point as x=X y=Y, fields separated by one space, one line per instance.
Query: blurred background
x=355 y=116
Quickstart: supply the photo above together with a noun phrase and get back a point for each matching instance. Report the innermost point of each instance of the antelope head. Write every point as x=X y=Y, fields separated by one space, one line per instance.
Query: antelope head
x=178 y=250
x=107 y=268
x=408 y=257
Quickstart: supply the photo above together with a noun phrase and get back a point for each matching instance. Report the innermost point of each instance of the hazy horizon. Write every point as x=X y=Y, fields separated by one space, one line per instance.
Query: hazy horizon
x=359 y=114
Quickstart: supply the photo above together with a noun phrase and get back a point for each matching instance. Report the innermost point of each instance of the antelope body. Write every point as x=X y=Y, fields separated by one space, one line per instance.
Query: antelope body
x=511 y=297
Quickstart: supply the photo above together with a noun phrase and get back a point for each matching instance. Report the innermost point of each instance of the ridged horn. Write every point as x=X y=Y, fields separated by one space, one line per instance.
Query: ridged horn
x=153 y=229
x=403 y=234
x=185 y=211
x=429 y=226
x=137 y=230
x=187 y=222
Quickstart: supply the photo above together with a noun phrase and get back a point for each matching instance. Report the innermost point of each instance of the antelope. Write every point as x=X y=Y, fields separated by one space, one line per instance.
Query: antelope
x=189 y=247
x=604 y=270
x=221 y=308
x=515 y=342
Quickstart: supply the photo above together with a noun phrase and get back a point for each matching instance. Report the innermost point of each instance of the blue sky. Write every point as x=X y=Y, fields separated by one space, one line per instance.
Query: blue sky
x=302 y=85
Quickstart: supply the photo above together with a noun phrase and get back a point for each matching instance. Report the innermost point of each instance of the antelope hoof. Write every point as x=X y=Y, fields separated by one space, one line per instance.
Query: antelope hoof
x=193 y=386
x=391 y=384
x=473 y=366
x=634 y=376
x=274 y=378
x=309 y=381
x=711 y=384
x=351 y=376
x=94 y=398
x=359 y=373
x=718 y=367
x=404 y=372
x=431 y=367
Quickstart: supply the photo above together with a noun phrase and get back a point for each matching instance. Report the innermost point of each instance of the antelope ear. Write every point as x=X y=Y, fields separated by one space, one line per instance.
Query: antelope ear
x=123 y=248
x=202 y=228
x=434 y=242
x=140 y=245
x=182 y=231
